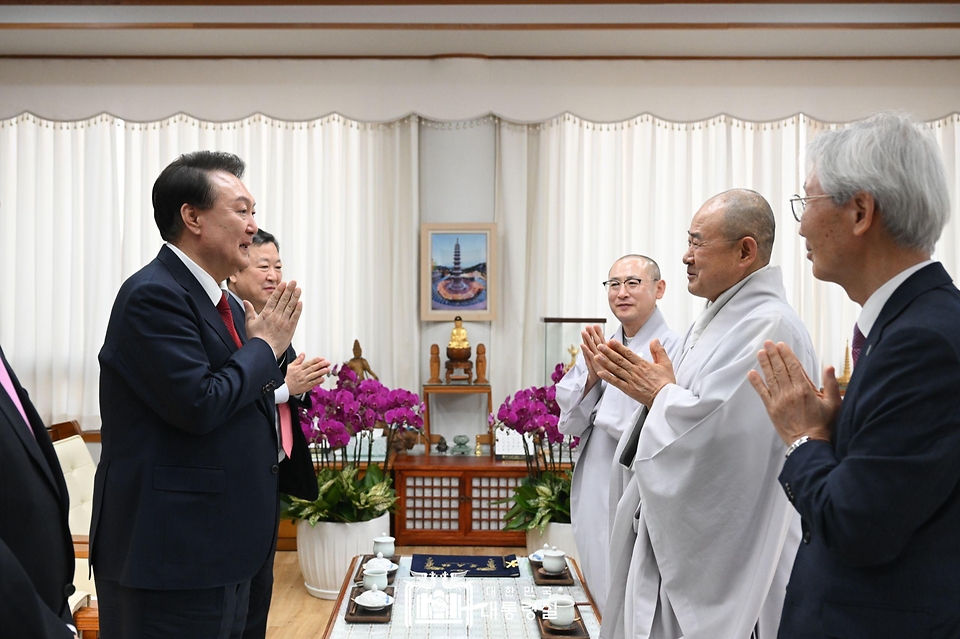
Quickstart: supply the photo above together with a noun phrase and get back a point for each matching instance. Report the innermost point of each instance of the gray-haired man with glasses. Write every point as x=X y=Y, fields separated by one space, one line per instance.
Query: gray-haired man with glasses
x=876 y=477
x=599 y=414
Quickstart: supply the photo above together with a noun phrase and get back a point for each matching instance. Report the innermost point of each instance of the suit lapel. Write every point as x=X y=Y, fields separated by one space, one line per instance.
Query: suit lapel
x=925 y=279
x=24 y=431
x=208 y=311
x=210 y=314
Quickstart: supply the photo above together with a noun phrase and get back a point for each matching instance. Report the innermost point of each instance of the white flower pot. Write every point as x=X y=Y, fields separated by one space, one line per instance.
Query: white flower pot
x=559 y=535
x=326 y=549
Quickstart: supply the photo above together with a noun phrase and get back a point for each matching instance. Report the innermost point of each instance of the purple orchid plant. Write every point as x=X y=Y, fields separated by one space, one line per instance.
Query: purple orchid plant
x=355 y=409
x=534 y=412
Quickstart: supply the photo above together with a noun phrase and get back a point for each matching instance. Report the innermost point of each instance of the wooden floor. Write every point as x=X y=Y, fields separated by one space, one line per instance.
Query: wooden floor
x=294 y=614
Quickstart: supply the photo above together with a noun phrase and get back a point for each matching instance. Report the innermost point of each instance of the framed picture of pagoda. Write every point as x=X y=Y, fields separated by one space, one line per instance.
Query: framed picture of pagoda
x=458 y=272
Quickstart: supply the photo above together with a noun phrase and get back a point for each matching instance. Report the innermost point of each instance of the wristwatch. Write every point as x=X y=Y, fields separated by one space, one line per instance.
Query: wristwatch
x=797 y=444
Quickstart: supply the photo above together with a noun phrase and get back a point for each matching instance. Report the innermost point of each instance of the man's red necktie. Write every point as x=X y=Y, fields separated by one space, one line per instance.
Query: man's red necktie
x=227 y=316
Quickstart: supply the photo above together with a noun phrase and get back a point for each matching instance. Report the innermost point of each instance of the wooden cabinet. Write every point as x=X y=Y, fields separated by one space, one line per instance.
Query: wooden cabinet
x=447 y=500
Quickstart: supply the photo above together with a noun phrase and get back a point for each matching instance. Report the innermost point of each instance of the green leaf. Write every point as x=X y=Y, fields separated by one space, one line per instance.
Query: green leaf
x=346 y=496
x=538 y=501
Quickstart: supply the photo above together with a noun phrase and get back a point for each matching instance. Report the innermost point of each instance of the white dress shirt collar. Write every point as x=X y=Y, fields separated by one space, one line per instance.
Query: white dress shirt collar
x=210 y=285
x=876 y=302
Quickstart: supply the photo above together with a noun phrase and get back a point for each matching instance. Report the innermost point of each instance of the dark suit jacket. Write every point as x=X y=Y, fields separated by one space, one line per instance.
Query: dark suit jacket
x=186 y=489
x=880 y=507
x=36 y=550
x=297 y=475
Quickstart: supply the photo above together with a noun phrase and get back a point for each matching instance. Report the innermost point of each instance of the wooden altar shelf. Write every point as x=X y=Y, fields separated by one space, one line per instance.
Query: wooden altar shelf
x=451 y=389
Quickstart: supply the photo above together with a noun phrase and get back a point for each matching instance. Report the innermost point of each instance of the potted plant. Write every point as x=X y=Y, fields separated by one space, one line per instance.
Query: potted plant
x=354 y=502
x=542 y=499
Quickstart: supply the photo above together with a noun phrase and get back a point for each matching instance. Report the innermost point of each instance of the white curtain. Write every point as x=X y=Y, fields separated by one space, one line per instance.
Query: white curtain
x=574 y=195
x=341 y=197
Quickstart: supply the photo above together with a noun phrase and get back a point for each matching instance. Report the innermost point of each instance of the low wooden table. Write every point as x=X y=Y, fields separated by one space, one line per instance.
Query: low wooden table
x=490 y=608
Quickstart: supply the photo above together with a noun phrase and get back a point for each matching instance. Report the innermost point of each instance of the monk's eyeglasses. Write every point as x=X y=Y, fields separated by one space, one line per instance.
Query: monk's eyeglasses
x=632 y=283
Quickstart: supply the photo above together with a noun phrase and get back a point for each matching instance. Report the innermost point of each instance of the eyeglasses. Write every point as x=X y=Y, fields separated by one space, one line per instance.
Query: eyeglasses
x=798 y=204
x=632 y=284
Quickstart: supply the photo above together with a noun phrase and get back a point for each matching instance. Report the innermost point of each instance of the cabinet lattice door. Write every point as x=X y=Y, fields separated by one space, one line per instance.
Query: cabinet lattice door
x=450 y=501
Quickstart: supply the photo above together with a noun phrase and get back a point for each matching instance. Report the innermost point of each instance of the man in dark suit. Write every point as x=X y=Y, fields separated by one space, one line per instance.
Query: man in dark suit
x=36 y=550
x=255 y=284
x=876 y=476
x=185 y=498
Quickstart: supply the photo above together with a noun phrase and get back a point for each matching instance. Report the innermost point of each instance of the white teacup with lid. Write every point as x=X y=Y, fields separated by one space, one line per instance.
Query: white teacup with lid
x=554 y=561
x=380 y=563
x=560 y=611
x=374 y=578
x=384 y=544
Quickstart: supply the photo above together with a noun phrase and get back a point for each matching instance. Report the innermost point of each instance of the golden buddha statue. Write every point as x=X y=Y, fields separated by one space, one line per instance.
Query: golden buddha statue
x=459 y=367
x=458 y=336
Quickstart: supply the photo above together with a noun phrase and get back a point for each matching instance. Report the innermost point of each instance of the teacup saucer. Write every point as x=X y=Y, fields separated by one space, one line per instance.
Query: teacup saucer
x=380 y=605
x=551 y=575
x=571 y=628
x=392 y=567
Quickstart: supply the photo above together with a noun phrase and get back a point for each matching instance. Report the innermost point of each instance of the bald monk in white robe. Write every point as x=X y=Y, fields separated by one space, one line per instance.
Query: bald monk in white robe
x=599 y=414
x=710 y=536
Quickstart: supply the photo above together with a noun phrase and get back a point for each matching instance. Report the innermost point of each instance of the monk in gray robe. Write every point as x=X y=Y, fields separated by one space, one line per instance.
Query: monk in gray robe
x=598 y=413
x=709 y=534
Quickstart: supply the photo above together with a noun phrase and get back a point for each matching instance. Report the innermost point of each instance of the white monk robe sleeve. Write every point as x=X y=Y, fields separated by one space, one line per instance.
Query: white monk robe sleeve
x=588 y=495
x=599 y=417
x=706 y=468
x=576 y=405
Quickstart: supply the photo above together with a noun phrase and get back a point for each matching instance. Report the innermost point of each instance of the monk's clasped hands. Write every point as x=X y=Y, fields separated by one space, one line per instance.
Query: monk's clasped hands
x=634 y=376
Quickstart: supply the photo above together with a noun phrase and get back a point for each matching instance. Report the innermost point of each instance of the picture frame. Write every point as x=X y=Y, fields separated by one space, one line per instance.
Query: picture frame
x=458 y=272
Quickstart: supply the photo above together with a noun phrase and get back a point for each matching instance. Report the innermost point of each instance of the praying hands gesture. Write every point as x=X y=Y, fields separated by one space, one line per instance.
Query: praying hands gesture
x=634 y=376
x=303 y=375
x=794 y=404
x=592 y=339
x=277 y=322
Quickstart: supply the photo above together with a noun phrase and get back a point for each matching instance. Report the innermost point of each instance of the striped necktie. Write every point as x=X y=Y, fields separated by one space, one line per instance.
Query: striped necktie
x=857 y=344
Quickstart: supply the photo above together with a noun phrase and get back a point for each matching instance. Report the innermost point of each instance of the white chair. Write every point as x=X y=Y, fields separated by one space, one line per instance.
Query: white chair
x=78 y=471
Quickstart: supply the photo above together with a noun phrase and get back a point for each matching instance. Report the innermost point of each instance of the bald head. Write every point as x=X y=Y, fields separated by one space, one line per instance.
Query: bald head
x=747 y=213
x=651 y=268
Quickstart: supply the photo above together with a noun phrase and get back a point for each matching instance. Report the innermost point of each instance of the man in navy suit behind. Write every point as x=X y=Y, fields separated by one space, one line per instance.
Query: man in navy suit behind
x=185 y=499
x=36 y=550
x=876 y=476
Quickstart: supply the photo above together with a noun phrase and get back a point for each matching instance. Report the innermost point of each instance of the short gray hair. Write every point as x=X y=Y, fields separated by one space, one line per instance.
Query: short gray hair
x=889 y=157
